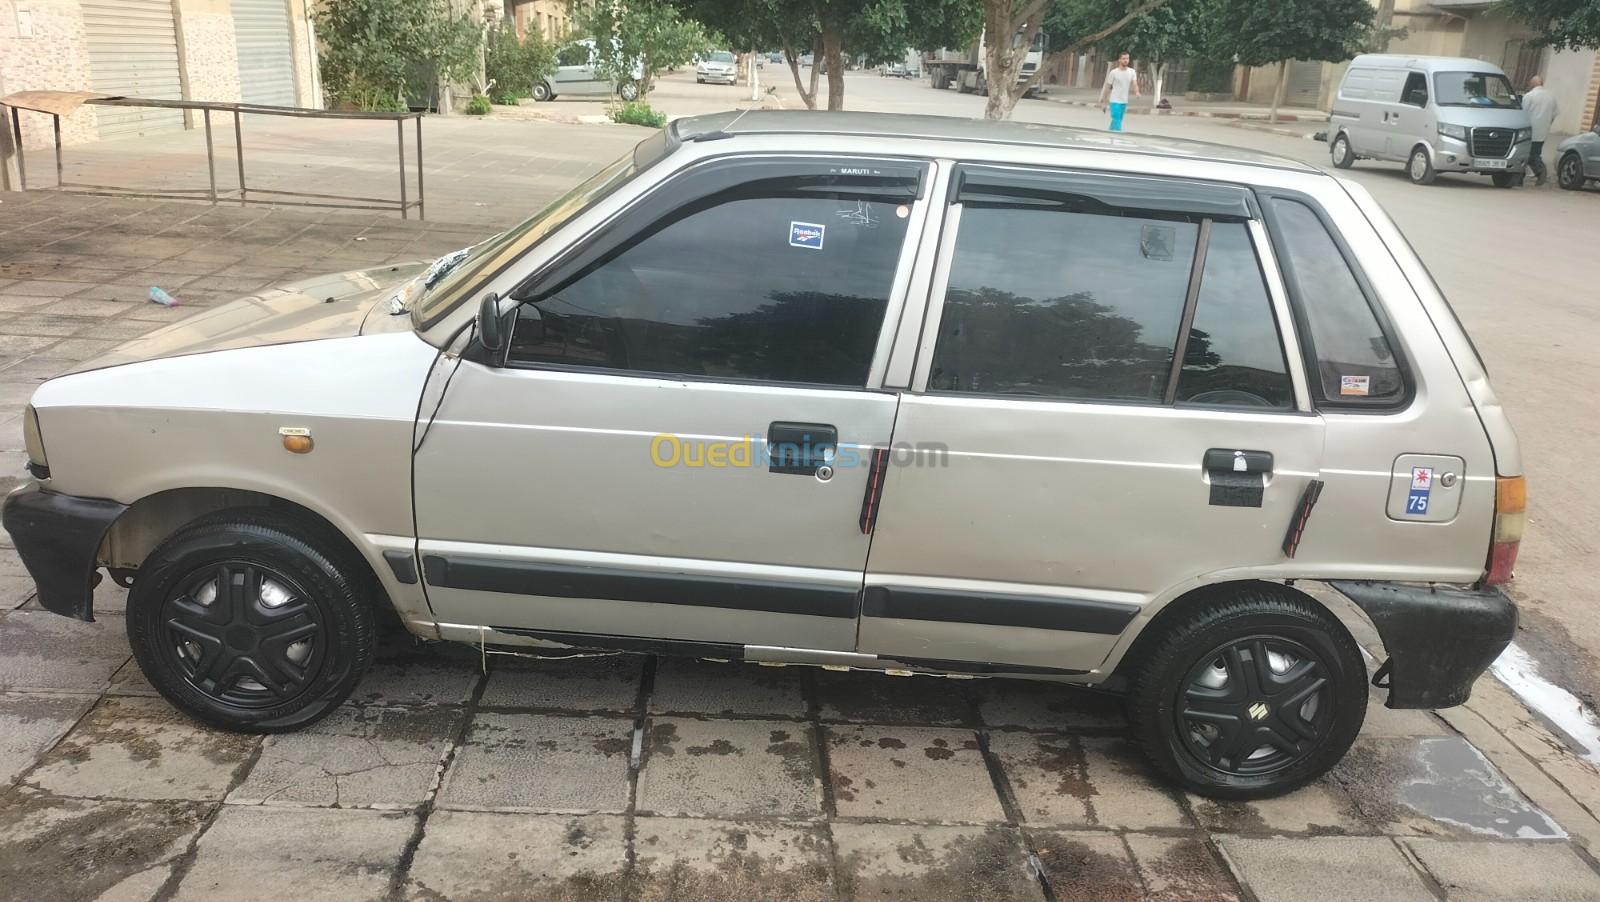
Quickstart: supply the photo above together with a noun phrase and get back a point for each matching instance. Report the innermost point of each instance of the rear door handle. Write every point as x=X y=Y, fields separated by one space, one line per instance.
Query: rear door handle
x=801 y=449
x=1238 y=477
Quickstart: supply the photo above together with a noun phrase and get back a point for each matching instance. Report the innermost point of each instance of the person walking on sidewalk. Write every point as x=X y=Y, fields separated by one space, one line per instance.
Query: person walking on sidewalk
x=1541 y=107
x=1119 y=82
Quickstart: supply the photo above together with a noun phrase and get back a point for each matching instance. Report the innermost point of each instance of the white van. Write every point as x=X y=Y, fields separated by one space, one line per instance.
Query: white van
x=1434 y=113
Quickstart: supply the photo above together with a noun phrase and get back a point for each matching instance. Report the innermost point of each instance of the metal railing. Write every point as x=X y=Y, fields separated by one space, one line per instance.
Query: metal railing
x=243 y=194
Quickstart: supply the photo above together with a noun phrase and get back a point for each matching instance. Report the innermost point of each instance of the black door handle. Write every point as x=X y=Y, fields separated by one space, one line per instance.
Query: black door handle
x=800 y=448
x=1238 y=478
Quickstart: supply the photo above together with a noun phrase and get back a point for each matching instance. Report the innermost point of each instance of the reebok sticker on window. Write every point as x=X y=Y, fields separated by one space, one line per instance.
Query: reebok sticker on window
x=806 y=234
x=1354 y=385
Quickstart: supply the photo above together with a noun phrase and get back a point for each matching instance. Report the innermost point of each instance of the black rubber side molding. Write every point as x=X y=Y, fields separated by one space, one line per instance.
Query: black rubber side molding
x=1439 y=639
x=404 y=565
x=57 y=536
x=451 y=571
x=1034 y=611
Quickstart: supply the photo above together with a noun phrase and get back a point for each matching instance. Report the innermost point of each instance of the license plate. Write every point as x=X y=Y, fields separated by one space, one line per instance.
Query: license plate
x=1488 y=164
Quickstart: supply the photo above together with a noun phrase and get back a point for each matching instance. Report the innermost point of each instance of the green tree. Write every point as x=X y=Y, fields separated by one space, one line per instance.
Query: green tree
x=635 y=39
x=1562 y=24
x=1155 y=39
x=377 y=52
x=1091 y=22
x=1259 y=34
x=514 y=65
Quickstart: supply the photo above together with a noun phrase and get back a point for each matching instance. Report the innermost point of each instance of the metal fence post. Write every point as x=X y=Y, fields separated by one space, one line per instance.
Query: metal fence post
x=421 y=196
x=55 y=127
x=400 y=132
x=238 y=150
x=211 y=158
x=22 y=165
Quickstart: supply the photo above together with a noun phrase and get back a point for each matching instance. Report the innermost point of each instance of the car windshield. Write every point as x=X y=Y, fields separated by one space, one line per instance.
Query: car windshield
x=452 y=276
x=722 y=56
x=1486 y=89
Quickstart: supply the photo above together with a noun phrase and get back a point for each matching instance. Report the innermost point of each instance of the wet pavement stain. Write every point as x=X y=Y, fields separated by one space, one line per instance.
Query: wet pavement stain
x=889 y=742
x=663 y=736
x=70 y=849
x=841 y=788
x=986 y=865
x=797 y=757
x=1079 y=872
x=731 y=872
x=717 y=747
x=613 y=745
x=1188 y=870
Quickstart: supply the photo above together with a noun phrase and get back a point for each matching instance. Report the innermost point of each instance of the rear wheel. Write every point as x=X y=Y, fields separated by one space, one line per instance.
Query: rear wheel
x=253 y=621
x=1421 y=168
x=629 y=91
x=1251 y=694
x=1569 y=171
x=1343 y=156
x=542 y=92
x=1503 y=179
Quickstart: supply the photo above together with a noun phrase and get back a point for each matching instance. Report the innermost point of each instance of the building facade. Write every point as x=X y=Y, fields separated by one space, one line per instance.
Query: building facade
x=255 y=51
x=550 y=19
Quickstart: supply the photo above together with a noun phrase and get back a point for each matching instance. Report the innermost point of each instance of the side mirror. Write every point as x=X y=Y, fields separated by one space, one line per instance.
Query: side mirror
x=491 y=324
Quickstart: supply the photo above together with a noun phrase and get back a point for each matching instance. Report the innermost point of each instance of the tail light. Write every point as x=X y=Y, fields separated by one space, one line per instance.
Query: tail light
x=1510 y=515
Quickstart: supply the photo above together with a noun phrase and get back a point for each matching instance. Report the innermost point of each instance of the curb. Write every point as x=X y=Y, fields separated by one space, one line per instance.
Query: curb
x=1206 y=114
x=1272 y=129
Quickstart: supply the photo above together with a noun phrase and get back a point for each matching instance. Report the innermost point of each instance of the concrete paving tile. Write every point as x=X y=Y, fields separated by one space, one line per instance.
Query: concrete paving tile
x=1084 y=866
x=66 y=850
x=730 y=768
x=541 y=762
x=932 y=863
x=15 y=591
x=688 y=686
x=19 y=345
x=1084 y=781
x=1507 y=872
x=1309 y=870
x=363 y=757
x=886 y=772
x=685 y=858
x=31 y=723
x=44 y=324
x=865 y=697
x=1323 y=808
x=90 y=307
x=49 y=288
x=604 y=683
x=130 y=680
x=312 y=854
x=1039 y=705
x=407 y=671
x=1388 y=723
x=10 y=300
x=82 y=348
x=138 y=748
x=41 y=650
x=534 y=857
x=1437 y=786
x=1180 y=869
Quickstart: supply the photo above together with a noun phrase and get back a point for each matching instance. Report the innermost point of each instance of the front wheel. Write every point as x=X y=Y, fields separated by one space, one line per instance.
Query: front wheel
x=1343 y=156
x=254 y=621
x=629 y=91
x=1421 y=168
x=1569 y=172
x=1503 y=179
x=1251 y=694
x=542 y=92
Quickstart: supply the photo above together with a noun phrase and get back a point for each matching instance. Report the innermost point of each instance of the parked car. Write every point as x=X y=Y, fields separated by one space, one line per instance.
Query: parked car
x=1578 y=160
x=807 y=59
x=1436 y=114
x=577 y=75
x=893 y=70
x=720 y=67
x=1099 y=410
x=774 y=57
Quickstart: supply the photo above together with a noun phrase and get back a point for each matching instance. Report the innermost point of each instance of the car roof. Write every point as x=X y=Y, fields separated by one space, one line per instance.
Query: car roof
x=1425 y=63
x=734 y=123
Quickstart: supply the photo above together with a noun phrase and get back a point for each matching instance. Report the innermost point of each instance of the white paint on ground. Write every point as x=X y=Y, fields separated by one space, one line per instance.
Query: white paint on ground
x=1517 y=669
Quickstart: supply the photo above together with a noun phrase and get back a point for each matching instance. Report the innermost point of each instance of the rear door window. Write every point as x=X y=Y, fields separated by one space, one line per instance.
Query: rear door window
x=1233 y=356
x=1353 y=358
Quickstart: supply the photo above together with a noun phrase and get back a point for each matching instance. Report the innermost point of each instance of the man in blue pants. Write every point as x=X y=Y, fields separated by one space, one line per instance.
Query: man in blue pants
x=1120 y=81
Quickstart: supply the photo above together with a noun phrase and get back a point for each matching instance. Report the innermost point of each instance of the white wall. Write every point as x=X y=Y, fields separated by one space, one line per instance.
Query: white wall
x=1566 y=75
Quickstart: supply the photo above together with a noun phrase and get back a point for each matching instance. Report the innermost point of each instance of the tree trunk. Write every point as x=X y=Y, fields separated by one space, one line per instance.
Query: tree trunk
x=755 y=80
x=1278 y=92
x=1159 y=79
x=999 y=58
x=832 y=42
x=809 y=98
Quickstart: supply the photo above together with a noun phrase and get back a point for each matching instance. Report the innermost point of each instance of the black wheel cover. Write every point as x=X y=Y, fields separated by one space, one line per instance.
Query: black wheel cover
x=244 y=634
x=1245 y=713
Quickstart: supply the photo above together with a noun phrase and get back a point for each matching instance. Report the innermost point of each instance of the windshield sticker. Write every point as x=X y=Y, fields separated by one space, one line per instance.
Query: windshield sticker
x=806 y=234
x=1354 y=385
x=1156 y=242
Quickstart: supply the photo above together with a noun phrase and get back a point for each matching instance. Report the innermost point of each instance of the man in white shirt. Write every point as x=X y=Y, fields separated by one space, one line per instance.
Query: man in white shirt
x=1119 y=82
x=1541 y=107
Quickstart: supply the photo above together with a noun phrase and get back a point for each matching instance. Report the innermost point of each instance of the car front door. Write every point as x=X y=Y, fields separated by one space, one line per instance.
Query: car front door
x=1101 y=410
x=673 y=444
x=576 y=74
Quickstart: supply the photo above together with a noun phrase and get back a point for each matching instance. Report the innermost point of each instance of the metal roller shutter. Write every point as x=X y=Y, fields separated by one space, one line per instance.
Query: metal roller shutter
x=1305 y=83
x=133 y=51
x=266 y=51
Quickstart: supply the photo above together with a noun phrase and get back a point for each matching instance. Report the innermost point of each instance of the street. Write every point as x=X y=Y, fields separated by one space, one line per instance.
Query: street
x=455 y=774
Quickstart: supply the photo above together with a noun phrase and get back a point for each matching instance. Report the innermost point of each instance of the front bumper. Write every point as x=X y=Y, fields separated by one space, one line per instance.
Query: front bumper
x=1453 y=155
x=725 y=78
x=1439 y=639
x=57 y=536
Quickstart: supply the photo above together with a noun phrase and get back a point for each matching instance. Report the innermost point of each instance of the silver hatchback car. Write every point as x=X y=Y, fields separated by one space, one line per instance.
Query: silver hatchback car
x=940 y=396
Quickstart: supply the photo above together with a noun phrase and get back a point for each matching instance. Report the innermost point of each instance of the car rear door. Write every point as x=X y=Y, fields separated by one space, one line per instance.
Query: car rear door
x=1102 y=408
x=673 y=445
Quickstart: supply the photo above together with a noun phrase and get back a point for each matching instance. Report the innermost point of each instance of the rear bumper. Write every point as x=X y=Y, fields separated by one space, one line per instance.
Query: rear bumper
x=57 y=537
x=1439 y=639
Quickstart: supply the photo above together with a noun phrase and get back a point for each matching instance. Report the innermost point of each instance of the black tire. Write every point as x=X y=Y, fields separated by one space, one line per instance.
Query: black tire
x=1503 y=179
x=542 y=92
x=628 y=91
x=1217 y=659
x=1343 y=157
x=1419 y=168
x=1569 y=171
x=280 y=652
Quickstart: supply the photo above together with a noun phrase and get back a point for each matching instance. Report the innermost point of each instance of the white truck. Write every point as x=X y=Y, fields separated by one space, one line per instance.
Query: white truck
x=963 y=69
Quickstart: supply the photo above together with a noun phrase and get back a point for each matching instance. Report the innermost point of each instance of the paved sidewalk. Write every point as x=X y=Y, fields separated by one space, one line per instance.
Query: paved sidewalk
x=624 y=777
x=1206 y=109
